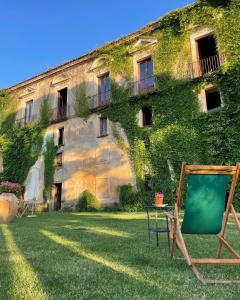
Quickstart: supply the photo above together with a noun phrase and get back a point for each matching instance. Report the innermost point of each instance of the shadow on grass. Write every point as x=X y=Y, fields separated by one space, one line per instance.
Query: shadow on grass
x=47 y=259
x=5 y=269
x=24 y=281
x=71 y=261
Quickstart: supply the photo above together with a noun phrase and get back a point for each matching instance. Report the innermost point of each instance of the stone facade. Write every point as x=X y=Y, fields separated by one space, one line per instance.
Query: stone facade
x=91 y=161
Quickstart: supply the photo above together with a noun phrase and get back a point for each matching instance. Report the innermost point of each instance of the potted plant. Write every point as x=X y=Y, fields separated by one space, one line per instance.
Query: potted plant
x=11 y=187
x=9 y=193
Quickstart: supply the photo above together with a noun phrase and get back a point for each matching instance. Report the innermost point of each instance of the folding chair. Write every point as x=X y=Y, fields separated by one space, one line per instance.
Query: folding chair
x=206 y=212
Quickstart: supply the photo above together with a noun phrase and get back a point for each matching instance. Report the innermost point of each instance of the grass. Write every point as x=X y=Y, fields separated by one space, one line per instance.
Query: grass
x=102 y=256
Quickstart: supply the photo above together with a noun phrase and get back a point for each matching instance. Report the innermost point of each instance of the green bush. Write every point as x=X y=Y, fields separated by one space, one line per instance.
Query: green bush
x=129 y=199
x=112 y=208
x=87 y=202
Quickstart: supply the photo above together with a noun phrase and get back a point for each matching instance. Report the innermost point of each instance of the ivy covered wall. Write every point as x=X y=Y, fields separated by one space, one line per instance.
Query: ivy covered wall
x=179 y=130
x=20 y=146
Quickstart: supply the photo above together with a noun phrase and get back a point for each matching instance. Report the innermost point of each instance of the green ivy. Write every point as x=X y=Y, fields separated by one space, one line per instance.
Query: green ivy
x=81 y=101
x=179 y=130
x=49 y=163
x=45 y=113
x=20 y=146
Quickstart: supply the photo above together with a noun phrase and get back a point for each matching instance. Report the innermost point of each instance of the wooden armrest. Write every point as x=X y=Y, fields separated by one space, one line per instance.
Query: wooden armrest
x=170 y=216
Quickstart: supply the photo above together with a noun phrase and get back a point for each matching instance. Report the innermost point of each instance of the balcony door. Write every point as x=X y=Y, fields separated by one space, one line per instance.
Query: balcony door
x=145 y=75
x=208 y=54
x=62 y=104
x=58 y=196
x=28 y=111
x=104 y=92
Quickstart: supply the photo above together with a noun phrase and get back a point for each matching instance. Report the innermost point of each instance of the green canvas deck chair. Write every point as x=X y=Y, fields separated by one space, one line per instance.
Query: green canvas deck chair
x=206 y=212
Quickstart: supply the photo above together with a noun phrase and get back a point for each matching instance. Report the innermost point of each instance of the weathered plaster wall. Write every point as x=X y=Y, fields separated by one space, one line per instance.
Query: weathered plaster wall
x=90 y=162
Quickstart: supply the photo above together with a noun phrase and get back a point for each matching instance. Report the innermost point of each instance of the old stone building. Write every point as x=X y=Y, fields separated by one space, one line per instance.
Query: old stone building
x=188 y=46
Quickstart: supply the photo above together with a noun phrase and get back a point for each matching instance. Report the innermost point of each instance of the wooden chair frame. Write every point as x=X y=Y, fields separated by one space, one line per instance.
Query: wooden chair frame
x=176 y=236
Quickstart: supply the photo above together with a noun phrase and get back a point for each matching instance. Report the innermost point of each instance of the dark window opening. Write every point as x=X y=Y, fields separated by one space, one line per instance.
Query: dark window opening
x=213 y=99
x=58 y=196
x=62 y=103
x=147 y=116
x=103 y=127
x=104 y=89
x=28 y=111
x=208 y=54
x=145 y=75
x=61 y=136
x=59 y=159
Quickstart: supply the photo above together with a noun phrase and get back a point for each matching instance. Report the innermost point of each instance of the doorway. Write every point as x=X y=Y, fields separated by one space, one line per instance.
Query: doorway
x=58 y=196
x=62 y=103
x=208 y=54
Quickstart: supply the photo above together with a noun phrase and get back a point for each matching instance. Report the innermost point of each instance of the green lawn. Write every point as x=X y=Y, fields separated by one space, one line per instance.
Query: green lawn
x=102 y=256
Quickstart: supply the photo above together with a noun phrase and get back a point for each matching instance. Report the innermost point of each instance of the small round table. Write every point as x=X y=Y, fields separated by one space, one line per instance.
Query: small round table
x=154 y=221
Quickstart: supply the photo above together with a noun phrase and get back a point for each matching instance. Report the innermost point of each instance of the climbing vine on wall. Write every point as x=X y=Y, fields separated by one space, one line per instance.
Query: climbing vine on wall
x=81 y=101
x=20 y=145
x=49 y=163
x=180 y=132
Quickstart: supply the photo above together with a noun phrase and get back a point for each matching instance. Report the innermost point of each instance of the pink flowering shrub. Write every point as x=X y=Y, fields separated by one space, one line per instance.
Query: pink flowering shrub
x=10 y=187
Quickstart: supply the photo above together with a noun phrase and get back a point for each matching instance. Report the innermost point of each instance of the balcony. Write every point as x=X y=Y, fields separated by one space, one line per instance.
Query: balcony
x=27 y=121
x=61 y=113
x=204 y=66
x=99 y=101
x=147 y=85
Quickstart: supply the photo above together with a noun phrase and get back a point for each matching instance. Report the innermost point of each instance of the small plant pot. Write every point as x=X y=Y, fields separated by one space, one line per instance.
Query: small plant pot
x=159 y=200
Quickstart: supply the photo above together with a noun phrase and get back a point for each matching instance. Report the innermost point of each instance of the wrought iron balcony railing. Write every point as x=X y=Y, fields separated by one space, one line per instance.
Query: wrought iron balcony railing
x=59 y=114
x=25 y=121
x=147 y=85
x=143 y=86
x=99 y=100
x=204 y=66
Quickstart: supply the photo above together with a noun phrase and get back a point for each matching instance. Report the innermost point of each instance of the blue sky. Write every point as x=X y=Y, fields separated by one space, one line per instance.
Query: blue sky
x=36 y=35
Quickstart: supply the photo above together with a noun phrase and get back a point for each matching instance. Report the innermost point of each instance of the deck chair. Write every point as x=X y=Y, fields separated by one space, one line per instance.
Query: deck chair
x=206 y=212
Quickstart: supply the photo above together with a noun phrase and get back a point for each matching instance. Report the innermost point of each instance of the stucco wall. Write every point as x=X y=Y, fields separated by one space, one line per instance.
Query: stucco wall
x=90 y=162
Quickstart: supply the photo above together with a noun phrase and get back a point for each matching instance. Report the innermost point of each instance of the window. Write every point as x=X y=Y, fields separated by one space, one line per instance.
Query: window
x=60 y=136
x=104 y=89
x=103 y=127
x=62 y=103
x=28 y=111
x=59 y=159
x=213 y=99
x=208 y=55
x=145 y=80
x=146 y=116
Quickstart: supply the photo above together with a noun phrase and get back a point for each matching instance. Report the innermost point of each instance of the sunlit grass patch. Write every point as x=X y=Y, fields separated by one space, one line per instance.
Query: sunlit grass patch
x=24 y=281
x=103 y=256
